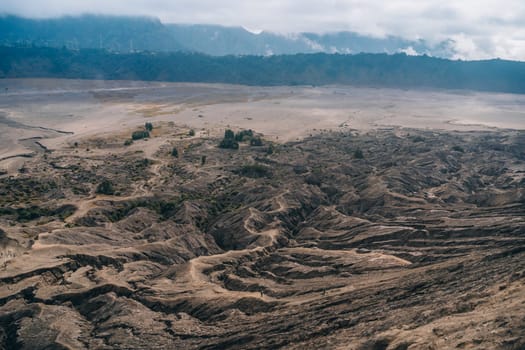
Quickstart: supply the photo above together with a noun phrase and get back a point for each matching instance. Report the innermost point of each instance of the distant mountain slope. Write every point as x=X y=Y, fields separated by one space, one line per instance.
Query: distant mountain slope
x=220 y=41
x=122 y=34
x=348 y=42
x=381 y=70
x=127 y=34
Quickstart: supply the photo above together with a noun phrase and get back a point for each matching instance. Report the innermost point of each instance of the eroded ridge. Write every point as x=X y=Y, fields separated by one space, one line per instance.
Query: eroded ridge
x=392 y=239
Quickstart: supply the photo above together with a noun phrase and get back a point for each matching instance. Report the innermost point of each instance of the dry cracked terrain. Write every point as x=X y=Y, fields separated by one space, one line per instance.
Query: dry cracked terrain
x=418 y=244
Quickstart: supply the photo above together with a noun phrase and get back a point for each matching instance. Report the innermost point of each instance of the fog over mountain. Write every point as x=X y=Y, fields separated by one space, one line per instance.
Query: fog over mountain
x=127 y=34
x=473 y=29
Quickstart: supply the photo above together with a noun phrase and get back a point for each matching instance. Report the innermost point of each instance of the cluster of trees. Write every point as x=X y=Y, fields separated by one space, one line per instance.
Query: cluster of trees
x=231 y=140
x=380 y=70
x=140 y=134
x=243 y=135
x=229 y=143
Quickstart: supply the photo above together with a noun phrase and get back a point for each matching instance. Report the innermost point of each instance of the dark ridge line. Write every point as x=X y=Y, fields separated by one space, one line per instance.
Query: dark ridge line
x=15 y=124
x=23 y=155
x=54 y=130
x=42 y=146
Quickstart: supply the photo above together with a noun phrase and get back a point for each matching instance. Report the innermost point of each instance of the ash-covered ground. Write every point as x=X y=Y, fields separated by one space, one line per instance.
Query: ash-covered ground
x=387 y=239
x=325 y=229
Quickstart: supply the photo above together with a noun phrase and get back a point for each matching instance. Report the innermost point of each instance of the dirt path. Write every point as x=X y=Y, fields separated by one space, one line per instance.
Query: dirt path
x=204 y=285
x=193 y=272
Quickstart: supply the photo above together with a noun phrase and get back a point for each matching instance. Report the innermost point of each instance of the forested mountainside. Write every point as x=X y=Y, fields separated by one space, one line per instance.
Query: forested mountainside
x=381 y=70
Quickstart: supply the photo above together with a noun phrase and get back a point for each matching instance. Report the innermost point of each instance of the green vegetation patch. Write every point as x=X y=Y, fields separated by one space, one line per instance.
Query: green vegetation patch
x=165 y=208
x=229 y=144
x=34 y=212
x=105 y=187
x=254 y=171
x=231 y=140
x=25 y=189
x=244 y=135
x=358 y=154
x=139 y=134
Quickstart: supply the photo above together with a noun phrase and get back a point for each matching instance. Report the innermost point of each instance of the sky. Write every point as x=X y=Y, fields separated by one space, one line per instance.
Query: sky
x=478 y=28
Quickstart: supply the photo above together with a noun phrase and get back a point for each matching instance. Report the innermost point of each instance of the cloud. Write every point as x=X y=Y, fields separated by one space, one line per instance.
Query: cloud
x=410 y=51
x=477 y=28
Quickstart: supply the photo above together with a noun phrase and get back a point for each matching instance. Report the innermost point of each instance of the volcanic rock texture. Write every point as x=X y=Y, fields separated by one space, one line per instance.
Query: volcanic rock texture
x=393 y=239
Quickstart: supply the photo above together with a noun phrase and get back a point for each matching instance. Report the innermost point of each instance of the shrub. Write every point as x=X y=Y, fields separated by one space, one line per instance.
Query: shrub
x=141 y=134
x=191 y=132
x=458 y=149
x=229 y=143
x=105 y=187
x=31 y=213
x=256 y=141
x=148 y=126
x=243 y=135
x=254 y=171
x=300 y=169
x=313 y=179
x=175 y=152
x=228 y=134
x=417 y=139
x=128 y=142
x=358 y=154
x=34 y=212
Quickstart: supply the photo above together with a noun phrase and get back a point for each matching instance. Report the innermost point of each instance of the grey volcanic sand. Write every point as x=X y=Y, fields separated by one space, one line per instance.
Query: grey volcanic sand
x=30 y=107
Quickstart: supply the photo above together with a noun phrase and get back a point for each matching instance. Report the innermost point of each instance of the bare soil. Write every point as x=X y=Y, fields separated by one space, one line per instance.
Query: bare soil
x=416 y=242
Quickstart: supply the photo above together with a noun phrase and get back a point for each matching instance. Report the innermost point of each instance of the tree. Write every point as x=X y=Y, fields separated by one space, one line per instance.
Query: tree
x=175 y=152
x=148 y=126
x=243 y=135
x=203 y=160
x=229 y=134
x=105 y=187
x=229 y=140
x=358 y=154
x=191 y=133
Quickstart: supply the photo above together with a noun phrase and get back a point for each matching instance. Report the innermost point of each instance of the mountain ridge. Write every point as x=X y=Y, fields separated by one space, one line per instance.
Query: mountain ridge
x=128 y=34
